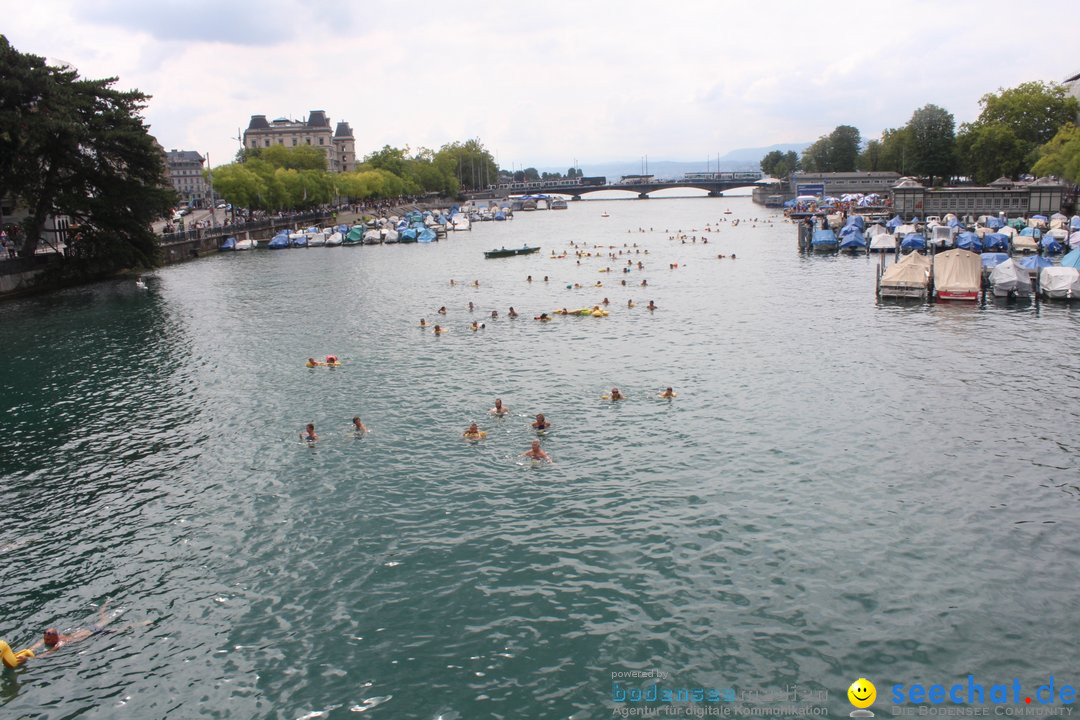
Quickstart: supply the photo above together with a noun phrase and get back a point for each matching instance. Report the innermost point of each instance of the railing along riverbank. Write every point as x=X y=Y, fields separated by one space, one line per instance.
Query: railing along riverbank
x=188 y=244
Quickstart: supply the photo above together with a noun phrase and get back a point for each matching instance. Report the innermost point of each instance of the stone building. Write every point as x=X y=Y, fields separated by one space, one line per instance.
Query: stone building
x=185 y=171
x=339 y=143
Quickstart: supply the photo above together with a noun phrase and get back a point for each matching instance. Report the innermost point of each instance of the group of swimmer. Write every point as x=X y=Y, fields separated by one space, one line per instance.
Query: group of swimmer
x=473 y=433
x=52 y=639
x=331 y=361
x=311 y=437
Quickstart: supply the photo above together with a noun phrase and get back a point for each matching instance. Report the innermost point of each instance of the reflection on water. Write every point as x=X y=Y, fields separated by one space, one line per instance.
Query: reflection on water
x=841 y=488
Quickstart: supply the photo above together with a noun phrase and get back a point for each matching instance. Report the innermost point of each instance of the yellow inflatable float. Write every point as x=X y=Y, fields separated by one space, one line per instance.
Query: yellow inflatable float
x=11 y=658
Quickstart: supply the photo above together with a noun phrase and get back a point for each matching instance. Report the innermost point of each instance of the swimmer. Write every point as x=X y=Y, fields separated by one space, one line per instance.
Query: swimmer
x=474 y=433
x=541 y=423
x=499 y=408
x=546 y=277
x=53 y=639
x=668 y=393
x=309 y=435
x=528 y=279
x=476 y=283
x=494 y=314
x=332 y=360
x=358 y=426
x=513 y=312
x=615 y=395
x=543 y=317
x=606 y=302
x=475 y=326
x=439 y=330
x=423 y=322
x=598 y=284
x=442 y=310
x=624 y=282
x=652 y=305
x=452 y=282
x=732 y=256
x=535 y=453
x=629 y=303
x=470 y=306
x=312 y=362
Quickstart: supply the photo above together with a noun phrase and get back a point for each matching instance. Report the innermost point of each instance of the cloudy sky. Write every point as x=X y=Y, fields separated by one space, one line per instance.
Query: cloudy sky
x=543 y=83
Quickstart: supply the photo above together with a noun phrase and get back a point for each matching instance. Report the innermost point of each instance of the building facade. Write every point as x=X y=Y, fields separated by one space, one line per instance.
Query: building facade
x=338 y=144
x=185 y=172
x=839 y=183
x=1043 y=196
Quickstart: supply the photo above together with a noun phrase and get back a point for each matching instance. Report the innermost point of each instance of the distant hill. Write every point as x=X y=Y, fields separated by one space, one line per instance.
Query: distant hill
x=754 y=155
x=741 y=159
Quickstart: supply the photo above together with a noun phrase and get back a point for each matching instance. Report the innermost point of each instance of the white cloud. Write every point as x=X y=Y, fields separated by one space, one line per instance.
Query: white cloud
x=541 y=84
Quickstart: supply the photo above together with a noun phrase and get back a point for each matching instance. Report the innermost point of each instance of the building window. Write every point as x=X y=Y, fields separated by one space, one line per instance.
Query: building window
x=308 y=140
x=322 y=141
x=294 y=142
x=267 y=141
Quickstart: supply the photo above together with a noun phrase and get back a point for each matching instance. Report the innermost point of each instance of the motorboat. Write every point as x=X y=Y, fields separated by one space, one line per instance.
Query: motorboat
x=1060 y=283
x=909 y=278
x=1008 y=279
x=245 y=244
x=228 y=244
x=957 y=275
x=510 y=252
x=335 y=239
x=824 y=241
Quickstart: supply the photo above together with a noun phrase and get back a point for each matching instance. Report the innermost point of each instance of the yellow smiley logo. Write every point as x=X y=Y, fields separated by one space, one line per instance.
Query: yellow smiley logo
x=862 y=693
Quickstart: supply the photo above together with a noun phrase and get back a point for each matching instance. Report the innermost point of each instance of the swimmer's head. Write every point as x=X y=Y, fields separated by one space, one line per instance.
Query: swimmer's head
x=356 y=420
x=498 y=402
x=311 y=427
x=535 y=445
x=52 y=636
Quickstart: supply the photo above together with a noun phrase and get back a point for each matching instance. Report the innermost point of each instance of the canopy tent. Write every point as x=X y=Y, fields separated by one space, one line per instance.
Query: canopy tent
x=957 y=274
x=969 y=241
x=1007 y=278
x=1071 y=259
x=991 y=259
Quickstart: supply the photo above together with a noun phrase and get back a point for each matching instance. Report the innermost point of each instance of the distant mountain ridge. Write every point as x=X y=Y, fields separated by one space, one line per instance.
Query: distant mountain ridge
x=736 y=160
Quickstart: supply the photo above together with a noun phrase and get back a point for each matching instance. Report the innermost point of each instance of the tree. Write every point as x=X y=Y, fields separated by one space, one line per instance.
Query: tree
x=1015 y=122
x=469 y=163
x=77 y=147
x=844 y=144
x=1061 y=156
x=1033 y=110
x=779 y=164
x=933 y=142
x=816 y=157
x=992 y=151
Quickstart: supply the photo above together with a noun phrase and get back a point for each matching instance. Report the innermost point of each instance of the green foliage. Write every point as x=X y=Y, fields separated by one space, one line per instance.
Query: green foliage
x=1014 y=123
x=991 y=151
x=933 y=142
x=779 y=164
x=469 y=163
x=77 y=147
x=1061 y=156
x=1034 y=111
x=835 y=152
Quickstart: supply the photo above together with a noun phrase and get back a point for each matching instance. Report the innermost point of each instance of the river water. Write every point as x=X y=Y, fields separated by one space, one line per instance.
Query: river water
x=840 y=489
